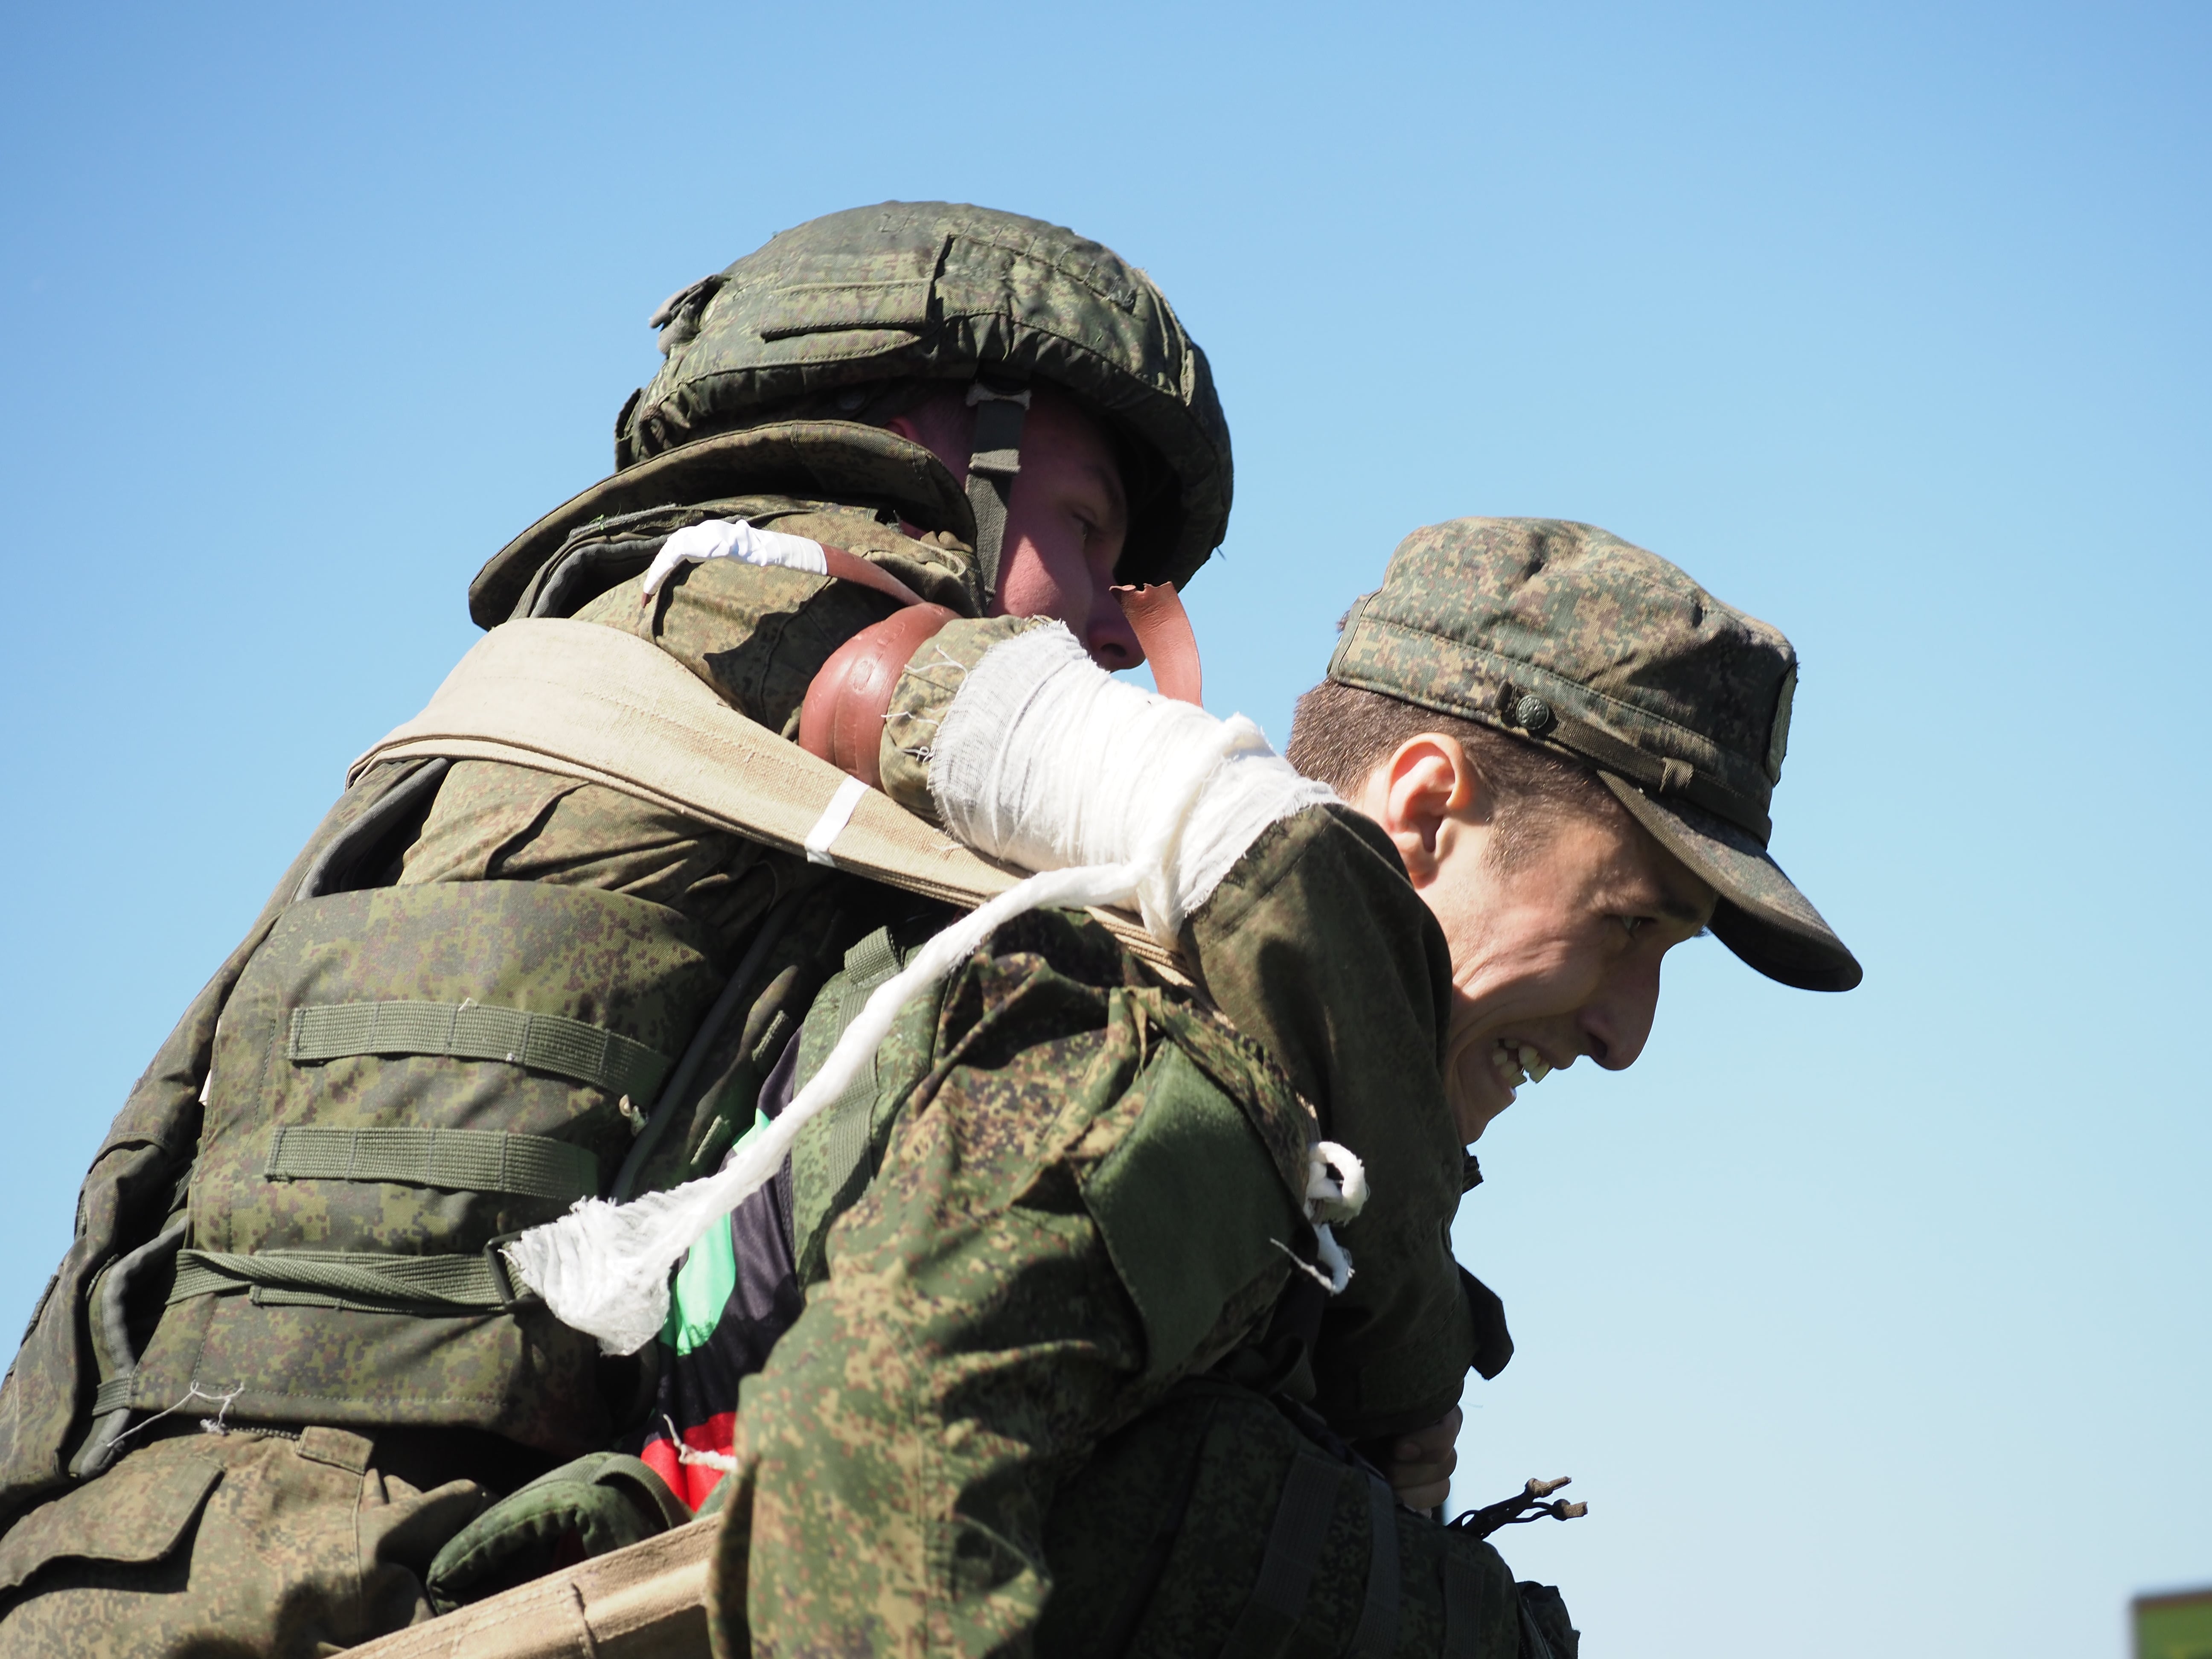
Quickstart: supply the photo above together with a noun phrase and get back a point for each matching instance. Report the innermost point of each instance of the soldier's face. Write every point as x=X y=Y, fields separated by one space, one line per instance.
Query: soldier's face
x=1065 y=520
x=1555 y=947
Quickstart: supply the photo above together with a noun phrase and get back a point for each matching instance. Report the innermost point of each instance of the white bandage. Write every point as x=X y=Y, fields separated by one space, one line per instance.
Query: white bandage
x=733 y=538
x=1047 y=762
x=1114 y=796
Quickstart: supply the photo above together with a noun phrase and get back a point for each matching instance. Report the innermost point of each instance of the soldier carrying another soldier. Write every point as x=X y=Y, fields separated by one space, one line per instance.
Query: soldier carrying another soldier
x=490 y=987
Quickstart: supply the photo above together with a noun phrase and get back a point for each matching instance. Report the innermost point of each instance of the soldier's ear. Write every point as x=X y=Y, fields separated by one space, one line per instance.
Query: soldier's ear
x=1425 y=782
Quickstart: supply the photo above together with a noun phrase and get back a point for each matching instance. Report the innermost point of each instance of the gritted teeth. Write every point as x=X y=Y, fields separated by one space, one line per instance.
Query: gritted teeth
x=1519 y=1062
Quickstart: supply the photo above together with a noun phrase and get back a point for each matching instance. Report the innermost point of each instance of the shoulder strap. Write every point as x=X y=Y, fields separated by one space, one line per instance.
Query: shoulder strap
x=584 y=701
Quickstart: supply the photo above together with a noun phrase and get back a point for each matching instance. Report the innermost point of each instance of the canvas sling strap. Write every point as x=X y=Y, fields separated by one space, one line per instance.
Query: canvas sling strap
x=584 y=701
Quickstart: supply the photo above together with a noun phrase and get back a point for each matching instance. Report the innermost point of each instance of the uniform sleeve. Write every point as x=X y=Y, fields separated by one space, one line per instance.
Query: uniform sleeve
x=1004 y=1295
x=1318 y=949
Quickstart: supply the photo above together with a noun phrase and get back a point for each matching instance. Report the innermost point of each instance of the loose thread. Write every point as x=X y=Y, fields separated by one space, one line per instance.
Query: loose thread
x=192 y=1391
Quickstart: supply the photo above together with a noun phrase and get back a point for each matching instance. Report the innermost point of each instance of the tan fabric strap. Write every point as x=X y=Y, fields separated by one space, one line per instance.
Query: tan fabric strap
x=584 y=701
x=648 y=1601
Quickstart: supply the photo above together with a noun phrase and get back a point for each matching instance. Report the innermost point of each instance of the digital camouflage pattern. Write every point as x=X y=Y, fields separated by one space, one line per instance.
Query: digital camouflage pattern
x=608 y=961
x=1317 y=949
x=1093 y=1191
x=1103 y=1268
x=761 y=471
x=940 y=290
x=133 y=1187
x=1569 y=637
x=240 y=1543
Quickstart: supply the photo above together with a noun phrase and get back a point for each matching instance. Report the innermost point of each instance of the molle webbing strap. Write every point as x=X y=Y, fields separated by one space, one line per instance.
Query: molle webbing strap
x=846 y=1120
x=456 y=1160
x=351 y=1279
x=1264 y=1629
x=991 y=470
x=1463 y=1604
x=471 y=1030
x=1376 y=1636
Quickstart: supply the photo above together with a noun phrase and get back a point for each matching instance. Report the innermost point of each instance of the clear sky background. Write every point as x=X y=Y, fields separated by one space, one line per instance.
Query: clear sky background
x=1871 y=1323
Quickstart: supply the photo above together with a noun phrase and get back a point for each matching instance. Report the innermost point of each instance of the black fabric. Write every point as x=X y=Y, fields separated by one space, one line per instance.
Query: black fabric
x=765 y=1302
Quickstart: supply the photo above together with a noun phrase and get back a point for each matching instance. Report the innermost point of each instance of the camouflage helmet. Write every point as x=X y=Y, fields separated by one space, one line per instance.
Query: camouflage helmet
x=940 y=291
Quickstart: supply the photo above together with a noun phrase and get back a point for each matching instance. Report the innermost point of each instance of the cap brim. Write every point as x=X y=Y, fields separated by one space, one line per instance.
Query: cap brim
x=1761 y=916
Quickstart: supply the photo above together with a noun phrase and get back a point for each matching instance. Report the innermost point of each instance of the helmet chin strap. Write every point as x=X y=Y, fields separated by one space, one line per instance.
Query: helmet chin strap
x=991 y=470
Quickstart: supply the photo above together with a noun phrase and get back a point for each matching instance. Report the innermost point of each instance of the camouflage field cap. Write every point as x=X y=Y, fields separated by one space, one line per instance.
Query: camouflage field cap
x=943 y=290
x=1572 y=639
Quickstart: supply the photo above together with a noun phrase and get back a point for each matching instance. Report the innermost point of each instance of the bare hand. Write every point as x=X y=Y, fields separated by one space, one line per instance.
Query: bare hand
x=1419 y=1465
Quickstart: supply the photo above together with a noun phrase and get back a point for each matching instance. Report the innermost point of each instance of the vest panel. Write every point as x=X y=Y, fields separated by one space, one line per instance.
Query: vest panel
x=402 y=1076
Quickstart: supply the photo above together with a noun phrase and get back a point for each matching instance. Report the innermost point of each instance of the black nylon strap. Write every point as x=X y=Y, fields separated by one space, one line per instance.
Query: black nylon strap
x=1264 y=1629
x=991 y=469
x=1462 y=1601
x=1377 y=1635
x=1534 y=1643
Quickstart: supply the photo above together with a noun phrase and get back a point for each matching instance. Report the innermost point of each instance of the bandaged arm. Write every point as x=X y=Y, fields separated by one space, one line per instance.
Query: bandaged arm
x=1308 y=937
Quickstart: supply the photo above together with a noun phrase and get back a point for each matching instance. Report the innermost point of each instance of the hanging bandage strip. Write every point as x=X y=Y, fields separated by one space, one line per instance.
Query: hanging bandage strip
x=1114 y=796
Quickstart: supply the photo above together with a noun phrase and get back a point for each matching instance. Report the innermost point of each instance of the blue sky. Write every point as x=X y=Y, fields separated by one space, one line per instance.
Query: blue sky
x=1868 y=1323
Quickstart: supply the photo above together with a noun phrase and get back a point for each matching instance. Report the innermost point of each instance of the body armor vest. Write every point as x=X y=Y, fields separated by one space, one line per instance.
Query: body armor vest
x=402 y=1077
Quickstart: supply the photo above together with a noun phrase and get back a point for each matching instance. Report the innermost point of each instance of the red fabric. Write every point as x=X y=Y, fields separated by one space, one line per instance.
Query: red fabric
x=692 y=1481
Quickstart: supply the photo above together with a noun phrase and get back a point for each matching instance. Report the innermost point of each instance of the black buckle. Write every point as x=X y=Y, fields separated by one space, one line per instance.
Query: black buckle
x=502 y=1276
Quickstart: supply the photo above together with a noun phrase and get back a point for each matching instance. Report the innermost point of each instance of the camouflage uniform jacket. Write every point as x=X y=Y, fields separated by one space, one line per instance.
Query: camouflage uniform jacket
x=1348 y=1009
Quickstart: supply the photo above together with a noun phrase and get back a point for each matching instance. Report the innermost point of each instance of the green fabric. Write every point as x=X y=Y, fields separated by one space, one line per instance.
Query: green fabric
x=346 y=1279
x=1187 y=1207
x=941 y=290
x=248 y=1545
x=701 y=1287
x=125 y=1194
x=1295 y=1541
x=458 y=1160
x=601 y=1502
x=469 y=1031
x=1212 y=1525
x=1317 y=948
x=973 y=1338
x=830 y=1164
x=1377 y=1633
x=1570 y=638
x=329 y=1262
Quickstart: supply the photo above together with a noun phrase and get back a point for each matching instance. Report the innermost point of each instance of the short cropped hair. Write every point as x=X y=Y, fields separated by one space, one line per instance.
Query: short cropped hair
x=1340 y=733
